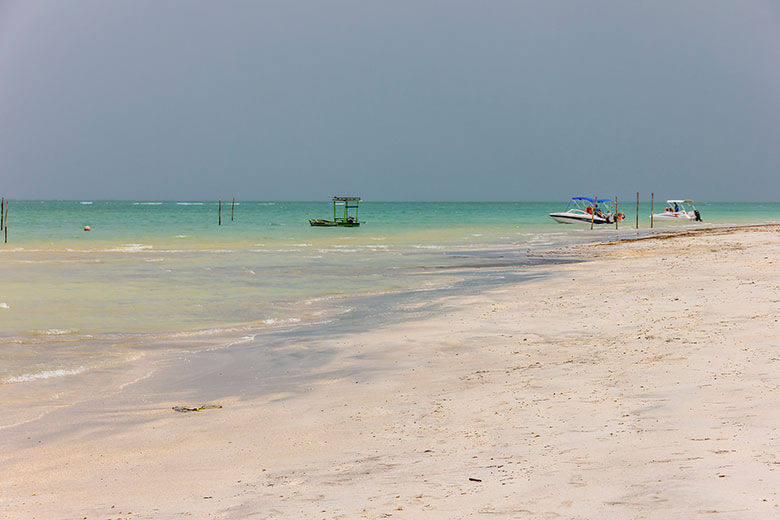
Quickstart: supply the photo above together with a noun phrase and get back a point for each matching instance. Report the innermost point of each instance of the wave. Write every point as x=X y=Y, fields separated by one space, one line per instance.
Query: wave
x=129 y=248
x=189 y=203
x=275 y=321
x=45 y=374
x=86 y=202
x=147 y=203
x=54 y=332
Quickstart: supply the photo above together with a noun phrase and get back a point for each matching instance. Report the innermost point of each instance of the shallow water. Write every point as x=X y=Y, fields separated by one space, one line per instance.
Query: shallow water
x=162 y=273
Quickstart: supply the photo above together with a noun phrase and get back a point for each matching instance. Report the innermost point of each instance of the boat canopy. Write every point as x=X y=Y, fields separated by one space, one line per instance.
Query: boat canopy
x=678 y=201
x=591 y=200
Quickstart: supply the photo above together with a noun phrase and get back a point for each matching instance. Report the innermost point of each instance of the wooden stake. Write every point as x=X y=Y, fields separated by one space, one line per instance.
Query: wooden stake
x=232 y=208
x=616 y=213
x=593 y=212
x=219 y=212
x=651 y=209
x=5 y=222
x=637 y=210
x=2 y=205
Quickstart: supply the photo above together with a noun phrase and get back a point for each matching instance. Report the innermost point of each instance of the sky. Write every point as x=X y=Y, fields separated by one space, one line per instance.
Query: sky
x=391 y=100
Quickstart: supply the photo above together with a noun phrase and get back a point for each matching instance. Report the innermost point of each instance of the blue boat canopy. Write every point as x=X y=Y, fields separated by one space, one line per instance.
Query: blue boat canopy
x=591 y=200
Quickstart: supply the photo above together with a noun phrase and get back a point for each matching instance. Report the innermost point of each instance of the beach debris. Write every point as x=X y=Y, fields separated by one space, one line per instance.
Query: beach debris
x=475 y=479
x=185 y=409
x=87 y=228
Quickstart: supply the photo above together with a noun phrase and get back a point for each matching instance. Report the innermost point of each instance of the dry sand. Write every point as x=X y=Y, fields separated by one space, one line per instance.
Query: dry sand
x=642 y=383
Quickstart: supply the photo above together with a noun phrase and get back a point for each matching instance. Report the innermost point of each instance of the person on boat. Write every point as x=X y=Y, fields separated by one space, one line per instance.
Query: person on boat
x=676 y=207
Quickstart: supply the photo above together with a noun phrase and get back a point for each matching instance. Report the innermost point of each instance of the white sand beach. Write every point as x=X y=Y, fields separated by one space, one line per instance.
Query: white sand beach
x=643 y=382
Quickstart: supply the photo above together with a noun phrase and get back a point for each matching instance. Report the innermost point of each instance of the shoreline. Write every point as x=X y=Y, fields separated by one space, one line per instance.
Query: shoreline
x=626 y=410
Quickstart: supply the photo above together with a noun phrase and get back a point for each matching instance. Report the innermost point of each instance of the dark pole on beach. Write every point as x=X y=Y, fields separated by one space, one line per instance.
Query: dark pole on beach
x=651 y=209
x=637 y=210
x=232 y=209
x=219 y=213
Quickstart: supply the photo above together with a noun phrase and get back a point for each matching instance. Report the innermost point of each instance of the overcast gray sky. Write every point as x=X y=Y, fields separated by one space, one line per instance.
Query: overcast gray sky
x=392 y=100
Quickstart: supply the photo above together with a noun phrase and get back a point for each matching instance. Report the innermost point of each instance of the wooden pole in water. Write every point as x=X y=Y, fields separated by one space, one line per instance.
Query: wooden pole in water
x=651 y=209
x=593 y=212
x=616 y=213
x=232 y=208
x=637 y=210
x=2 y=205
x=219 y=213
x=5 y=222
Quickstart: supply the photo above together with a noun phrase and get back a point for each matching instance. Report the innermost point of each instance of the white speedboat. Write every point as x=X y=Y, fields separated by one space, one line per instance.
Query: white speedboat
x=584 y=210
x=679 y=211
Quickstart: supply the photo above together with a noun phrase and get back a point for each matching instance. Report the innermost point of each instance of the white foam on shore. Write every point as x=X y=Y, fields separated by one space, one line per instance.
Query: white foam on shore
x=274 y=321
x=337 y=250
x=134 y=381
x=54 y=332
x=4 y=305
x=129 y=248
x=46 y=374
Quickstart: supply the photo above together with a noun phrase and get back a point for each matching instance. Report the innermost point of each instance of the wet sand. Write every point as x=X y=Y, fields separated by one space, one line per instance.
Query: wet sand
x=641 y=383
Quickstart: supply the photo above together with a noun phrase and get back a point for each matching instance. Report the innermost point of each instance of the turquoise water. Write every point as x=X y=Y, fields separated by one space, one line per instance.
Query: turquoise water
x=152 y=272
x=61 y=222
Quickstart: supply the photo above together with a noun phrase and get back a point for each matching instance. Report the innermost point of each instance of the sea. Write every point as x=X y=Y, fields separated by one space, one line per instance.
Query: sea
x=156 y=275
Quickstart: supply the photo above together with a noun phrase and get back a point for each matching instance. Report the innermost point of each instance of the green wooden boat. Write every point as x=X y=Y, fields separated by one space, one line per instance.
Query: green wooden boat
x=347 y=220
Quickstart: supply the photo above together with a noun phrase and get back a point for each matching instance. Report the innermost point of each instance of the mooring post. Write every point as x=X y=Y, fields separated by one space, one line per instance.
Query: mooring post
x=651 y=209
x=593 y=212
x=232 y=208
x=219 y=213
x=637 y=210
x=5 y=223
x=2 y=205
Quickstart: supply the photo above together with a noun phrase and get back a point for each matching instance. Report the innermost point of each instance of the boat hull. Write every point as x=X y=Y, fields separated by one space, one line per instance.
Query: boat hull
x=577 y=218
x=679 y=216
x=331 y=223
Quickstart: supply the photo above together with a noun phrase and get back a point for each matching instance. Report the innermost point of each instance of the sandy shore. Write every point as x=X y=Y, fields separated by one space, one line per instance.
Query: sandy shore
x=641 y=383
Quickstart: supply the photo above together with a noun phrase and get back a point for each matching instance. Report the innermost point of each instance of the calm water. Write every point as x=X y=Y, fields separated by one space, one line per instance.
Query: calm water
x=149 y=272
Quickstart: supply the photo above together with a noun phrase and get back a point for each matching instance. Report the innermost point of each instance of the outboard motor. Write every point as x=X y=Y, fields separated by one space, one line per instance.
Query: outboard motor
x=698 y=215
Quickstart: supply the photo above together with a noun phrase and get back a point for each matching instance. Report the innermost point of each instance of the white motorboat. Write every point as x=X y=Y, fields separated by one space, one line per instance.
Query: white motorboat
x=679 y=211
x=584 y=210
